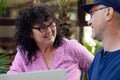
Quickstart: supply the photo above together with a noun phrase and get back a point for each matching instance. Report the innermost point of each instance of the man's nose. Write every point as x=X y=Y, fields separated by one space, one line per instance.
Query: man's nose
x=89 y=23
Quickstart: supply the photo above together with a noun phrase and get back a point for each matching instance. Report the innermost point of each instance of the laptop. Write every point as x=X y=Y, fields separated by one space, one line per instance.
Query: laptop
x=59 y=74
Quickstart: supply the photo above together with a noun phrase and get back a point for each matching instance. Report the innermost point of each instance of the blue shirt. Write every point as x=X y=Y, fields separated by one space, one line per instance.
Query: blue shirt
x=105 y=67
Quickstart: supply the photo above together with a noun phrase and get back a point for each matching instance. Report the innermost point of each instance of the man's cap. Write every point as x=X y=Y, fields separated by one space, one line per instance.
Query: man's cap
x=115 y=4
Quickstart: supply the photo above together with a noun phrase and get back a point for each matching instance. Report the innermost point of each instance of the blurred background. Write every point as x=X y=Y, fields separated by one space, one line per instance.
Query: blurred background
x=73 y=25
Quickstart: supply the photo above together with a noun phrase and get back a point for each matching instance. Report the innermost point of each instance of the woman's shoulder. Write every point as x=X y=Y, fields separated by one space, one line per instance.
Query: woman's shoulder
x=70 y=41
x=21 y=53
x=72 y=44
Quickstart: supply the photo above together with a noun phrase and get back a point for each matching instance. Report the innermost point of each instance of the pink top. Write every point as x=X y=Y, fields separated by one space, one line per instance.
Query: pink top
x=71 y=56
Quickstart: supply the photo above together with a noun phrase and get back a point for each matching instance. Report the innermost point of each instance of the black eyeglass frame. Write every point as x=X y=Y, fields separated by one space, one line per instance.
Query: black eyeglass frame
x=44 y=28
x=91 y=11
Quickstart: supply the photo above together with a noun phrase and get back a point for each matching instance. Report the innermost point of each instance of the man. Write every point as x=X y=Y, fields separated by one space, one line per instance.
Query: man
x=105 y=23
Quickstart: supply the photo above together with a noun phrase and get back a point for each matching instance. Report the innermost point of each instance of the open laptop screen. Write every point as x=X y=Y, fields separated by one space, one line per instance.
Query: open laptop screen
x=59 y=74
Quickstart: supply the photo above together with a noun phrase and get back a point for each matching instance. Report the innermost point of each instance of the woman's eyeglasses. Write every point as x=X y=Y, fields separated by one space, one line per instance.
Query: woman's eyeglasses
x=44 y=28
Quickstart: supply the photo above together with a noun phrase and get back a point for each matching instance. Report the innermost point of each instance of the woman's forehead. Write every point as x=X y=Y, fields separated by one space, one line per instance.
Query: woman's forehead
x=43 y=23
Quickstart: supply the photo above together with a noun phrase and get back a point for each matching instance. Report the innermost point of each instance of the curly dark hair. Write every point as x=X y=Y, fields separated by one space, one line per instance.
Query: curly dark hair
x=27 y=17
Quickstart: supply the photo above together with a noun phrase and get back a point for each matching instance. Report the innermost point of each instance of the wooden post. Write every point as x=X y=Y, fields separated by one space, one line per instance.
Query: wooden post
x=81 y=18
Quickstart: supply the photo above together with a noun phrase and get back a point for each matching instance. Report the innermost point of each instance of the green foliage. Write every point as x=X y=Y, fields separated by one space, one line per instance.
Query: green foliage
x=4 y=61
x=97 y=47
x=91 y=1
x=3 y=6
x=87 y=46
x=63 y=3
x=90 y=48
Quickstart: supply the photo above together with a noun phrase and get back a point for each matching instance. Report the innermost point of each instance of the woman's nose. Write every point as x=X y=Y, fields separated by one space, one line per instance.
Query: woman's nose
x=48 y=30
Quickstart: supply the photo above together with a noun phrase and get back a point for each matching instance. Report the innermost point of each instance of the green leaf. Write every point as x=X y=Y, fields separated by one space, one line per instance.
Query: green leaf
x=87 y=46
x=4 y=61
x=3 y=69
x=3 y=6
x=0 y=6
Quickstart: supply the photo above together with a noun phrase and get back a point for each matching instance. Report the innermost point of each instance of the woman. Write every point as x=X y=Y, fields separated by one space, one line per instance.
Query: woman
x=41 y=47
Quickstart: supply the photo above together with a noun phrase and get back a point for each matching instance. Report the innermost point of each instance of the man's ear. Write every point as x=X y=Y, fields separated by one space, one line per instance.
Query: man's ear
x=109 y=13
